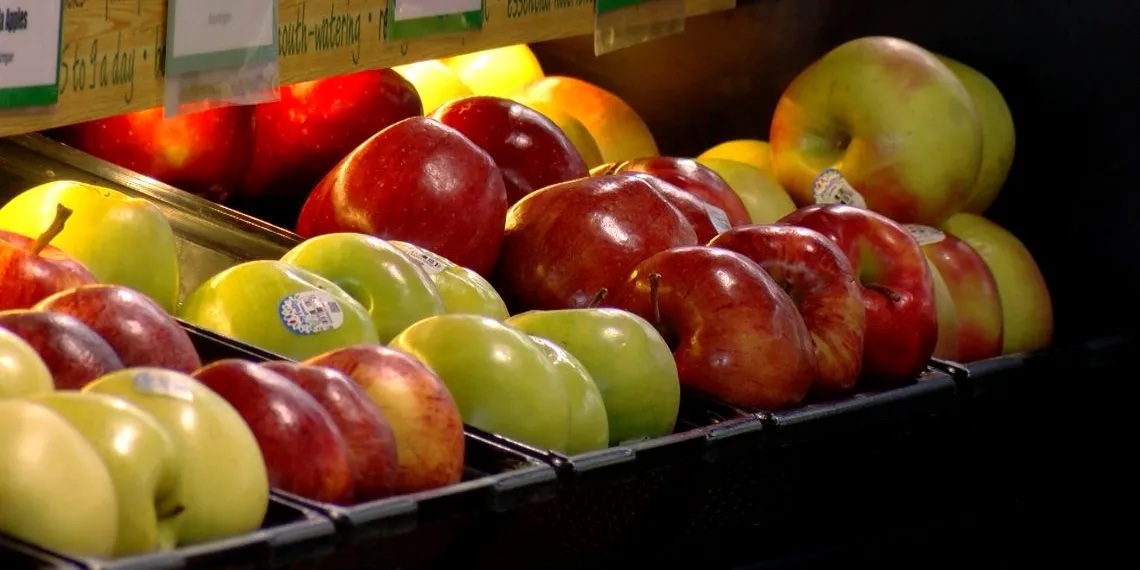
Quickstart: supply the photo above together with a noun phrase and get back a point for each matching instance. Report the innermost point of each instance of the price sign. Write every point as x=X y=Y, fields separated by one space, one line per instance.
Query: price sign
x=204 y=35
x=409 y=19
x=29 y=52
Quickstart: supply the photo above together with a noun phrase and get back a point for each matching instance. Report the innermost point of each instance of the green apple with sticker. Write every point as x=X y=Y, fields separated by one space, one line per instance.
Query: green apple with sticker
x=281 y=308
x=461 y=289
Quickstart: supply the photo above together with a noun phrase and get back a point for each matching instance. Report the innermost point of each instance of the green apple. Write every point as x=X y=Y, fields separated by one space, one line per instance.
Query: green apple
x=395 y=291
x=281 y=308
x=22 y=371
x=462 y=290
x=225 y=487
x=501 y=379
x=589 y=426
x=141 y=458
x=54 y=490
x=121 y=240
x=628 y=360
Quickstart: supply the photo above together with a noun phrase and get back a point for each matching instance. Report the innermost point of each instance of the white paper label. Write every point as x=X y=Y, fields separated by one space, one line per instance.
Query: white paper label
x=924 y=235
x=248 y=85
x=427 y=261
x=162 y=385
x=413 y=9
x=29 y=42
x=210 y=26
x=310 y=312
x=718 y=218
x=830 y=187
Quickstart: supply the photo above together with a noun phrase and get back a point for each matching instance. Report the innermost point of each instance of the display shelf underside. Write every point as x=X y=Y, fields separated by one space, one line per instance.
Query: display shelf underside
x=112 y=52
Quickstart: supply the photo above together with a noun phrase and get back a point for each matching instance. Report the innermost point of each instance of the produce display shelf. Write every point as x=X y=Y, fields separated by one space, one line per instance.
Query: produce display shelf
x=111 y=55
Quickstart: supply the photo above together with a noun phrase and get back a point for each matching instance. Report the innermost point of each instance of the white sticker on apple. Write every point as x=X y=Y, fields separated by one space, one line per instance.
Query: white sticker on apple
x=310 y=312
x=924 y=235
x=718 y=218
x=830 y=187
x=160 y=385
x=427 y=261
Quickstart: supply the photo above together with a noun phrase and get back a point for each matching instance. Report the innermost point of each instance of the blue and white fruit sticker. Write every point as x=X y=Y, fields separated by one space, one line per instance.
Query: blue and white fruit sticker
x=830 y=187
x=924 y=235
x=158 y=384
x=310 y=312
x=428 y=261
x=718 y=218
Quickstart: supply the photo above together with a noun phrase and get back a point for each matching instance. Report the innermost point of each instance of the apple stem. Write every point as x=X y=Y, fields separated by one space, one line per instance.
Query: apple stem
x=892 y=295
x=654 y=283
x=598 y=297
x=173 y=512
x=62 y=213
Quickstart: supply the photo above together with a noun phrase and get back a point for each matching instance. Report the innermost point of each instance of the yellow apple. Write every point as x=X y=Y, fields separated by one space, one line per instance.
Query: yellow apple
x=578 y=134
x=55 y=491
x=947 y=345
x=496 y=71
x=998 y=137
x=434 y=81
x=22 y=371
x=1026 y=307
x=894 y=120
x=749 y=151
x=969 y=284
x=763 y=197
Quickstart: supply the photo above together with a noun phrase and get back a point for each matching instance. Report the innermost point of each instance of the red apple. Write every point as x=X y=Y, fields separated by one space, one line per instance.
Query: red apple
x=707 y=220
x=734 y=333
x=205 y=153
x=370 y=439
x=73 y=352
x=423 y=415
x=417 y=181
x=301 y=137
x=694 y=178
x=531 y=151
x=898 y=293
x=566 y=242
x=139 y=331
x=303 y=449
x=974 y=295
x=821 y=282
x=31 y=269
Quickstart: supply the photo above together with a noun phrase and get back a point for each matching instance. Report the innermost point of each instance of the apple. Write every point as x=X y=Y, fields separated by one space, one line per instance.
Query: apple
x=56 y=491
x=1026 y=306
x=694 y=178
x=821 y=282
x=529 y=149
x=302 y=446
x=225 y=487
x=502 y=381
x=424 y=417
x=618 y=130
x=366 y=431
x=32 y=269
x=892 y=118
x=753 y=152
x=205 y=152
x=589 y=426
x=73 y=352
x=121 y=240
x=627 y=359
x=496 y=71
x=946 y=313
x=998 y=134
x=418 y=181
x=138 y=330
x=565 y=242
x=977 y=321
x=22 y=371
x=707 y=220
x=141 y=459
x=763 y=197
x=574 y=130
x=735 y=334
x=299 y=138
x=394 y=290
x=435 y=82
x=895 y=280
x=280 y=308
x=461 y=289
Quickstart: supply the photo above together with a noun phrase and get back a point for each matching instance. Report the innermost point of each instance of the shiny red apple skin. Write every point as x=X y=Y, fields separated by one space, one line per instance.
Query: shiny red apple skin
x=424 y=417
x=694 y=178
x=27 y=278
x=977 y=303
x=137 y=328
x=566 y=242
x=365 y=429
x=417 y=181
x=74 y=354
x=302 y=136
x=695 y=210
x=303 y=449
x=530 y=150
x=897 y=288
x=735 y=334
x=205 y=153
x=821 y=281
